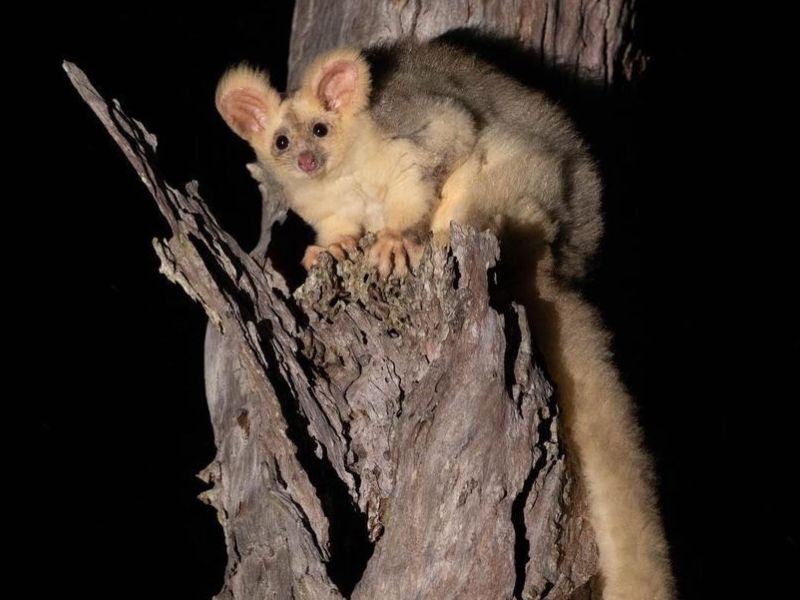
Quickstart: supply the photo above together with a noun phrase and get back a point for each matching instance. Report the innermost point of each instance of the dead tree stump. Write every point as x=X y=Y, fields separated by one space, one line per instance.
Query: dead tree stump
x=377 y=440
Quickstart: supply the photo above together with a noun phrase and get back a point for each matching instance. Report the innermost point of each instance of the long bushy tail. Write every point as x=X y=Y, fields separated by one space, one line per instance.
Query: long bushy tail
x=601 y=426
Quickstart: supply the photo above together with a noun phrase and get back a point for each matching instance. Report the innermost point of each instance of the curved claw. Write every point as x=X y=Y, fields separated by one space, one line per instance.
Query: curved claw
x=394 y=254
x=336 y=251
x=344 y=247
x=414 y=251
x=348 y=244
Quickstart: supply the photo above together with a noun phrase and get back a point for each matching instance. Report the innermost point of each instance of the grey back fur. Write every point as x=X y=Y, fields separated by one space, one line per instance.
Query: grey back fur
x=415 y=84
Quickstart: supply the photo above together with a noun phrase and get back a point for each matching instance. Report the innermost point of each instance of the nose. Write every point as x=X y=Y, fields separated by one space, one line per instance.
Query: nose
x=306 y=161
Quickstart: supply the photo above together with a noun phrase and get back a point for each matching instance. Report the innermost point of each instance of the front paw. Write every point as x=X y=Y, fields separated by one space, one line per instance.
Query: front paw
x=394 y=254
x=311 y=256
x=343 y=247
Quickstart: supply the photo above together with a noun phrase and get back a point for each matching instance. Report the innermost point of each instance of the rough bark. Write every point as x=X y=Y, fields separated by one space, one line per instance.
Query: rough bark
x=417 y=403
x=590 y=38
x=383 y=441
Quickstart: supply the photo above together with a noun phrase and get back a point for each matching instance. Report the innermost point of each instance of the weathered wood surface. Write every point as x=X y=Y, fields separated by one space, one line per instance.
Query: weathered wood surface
x=382 y=441
x=409 y=415
x=591 y=38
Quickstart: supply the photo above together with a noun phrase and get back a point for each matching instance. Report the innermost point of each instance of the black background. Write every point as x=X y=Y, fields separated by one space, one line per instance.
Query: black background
x=118 y=441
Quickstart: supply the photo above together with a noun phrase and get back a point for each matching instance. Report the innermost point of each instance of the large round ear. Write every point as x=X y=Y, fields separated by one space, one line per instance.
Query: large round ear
x=246 y=100
x=339 y=80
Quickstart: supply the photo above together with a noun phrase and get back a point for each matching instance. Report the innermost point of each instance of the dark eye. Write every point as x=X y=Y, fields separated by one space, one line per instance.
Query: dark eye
x=320 y=129
x=281 y=142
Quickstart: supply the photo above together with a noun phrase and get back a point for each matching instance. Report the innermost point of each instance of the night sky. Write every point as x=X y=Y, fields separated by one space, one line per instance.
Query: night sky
x=116 y=450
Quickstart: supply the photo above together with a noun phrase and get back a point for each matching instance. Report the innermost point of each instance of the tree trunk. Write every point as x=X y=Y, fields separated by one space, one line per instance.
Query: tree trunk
x=591 y=39
x=376 y=440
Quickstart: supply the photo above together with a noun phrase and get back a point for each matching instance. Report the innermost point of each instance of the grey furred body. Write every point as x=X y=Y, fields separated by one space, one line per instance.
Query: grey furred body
x=454 y=107
x=503 y=157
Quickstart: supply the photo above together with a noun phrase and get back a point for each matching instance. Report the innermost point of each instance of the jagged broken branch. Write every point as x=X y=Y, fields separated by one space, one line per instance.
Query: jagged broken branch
x=375 y=440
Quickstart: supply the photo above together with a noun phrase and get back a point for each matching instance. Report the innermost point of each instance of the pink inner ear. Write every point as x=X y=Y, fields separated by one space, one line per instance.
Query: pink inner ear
x=245 y=111
x=338 y=85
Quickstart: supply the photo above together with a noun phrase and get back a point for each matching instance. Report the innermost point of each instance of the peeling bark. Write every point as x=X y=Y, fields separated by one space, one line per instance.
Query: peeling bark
x=354 y=412
x=383 y=440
